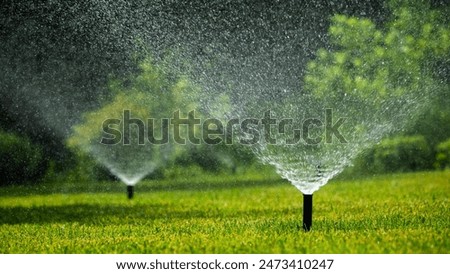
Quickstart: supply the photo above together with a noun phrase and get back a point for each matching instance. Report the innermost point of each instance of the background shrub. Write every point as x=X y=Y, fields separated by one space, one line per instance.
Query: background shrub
x=20 y=160
x=401 y=154
x=443 y=155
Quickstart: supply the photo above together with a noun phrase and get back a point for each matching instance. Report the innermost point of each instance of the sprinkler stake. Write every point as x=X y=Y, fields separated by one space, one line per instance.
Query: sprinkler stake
x=307 y=211
x=130 y=191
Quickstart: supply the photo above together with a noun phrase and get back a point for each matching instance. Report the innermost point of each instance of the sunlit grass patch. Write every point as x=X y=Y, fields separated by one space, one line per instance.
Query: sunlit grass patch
x=402 y=213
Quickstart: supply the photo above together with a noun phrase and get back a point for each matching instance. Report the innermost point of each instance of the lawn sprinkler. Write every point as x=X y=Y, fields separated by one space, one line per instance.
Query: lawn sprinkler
x=307 y=211
x=130 y=191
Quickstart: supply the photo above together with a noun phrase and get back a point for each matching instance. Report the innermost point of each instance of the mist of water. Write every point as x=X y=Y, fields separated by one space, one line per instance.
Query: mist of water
x=308 y=165
x=255 y=54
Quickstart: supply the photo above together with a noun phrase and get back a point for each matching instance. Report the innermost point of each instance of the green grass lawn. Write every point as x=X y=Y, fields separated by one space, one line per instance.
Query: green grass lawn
x=402 y=213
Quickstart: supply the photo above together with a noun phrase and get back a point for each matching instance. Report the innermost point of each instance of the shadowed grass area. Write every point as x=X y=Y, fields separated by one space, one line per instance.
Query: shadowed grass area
x=402 y=213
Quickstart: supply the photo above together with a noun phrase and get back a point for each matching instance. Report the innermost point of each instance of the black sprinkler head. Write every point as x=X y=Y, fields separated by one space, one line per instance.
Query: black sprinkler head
x=307 y=211
x=130 y=191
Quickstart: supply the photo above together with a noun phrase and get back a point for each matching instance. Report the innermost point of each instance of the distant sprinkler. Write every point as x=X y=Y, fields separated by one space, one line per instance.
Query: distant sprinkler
x=130 y=191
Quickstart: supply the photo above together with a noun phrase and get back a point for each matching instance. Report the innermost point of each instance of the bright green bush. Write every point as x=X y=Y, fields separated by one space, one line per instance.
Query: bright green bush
x=401 y=154
x=443 y=155
x=20 y=160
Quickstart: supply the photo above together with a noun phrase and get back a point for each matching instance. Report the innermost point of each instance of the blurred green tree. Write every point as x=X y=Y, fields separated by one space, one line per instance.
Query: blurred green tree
x=406 y=58
x=398 y=59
